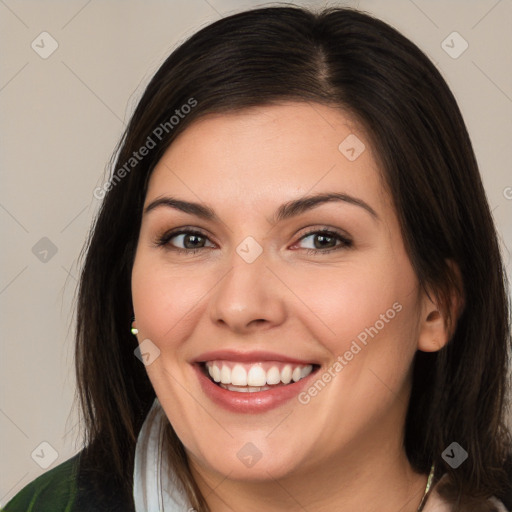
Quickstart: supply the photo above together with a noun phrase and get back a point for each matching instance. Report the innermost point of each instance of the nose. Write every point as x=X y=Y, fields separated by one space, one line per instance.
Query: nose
x=249 y=297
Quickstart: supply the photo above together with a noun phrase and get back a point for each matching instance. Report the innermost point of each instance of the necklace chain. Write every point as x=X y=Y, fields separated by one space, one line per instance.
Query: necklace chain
x=428 y=488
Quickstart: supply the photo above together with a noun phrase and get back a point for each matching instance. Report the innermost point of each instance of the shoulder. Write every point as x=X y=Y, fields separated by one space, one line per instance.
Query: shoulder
x=436 y=502
x=72 y=487
x=53 y=491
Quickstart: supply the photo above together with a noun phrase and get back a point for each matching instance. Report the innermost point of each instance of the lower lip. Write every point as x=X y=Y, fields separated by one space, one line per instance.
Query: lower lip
x=250 y=403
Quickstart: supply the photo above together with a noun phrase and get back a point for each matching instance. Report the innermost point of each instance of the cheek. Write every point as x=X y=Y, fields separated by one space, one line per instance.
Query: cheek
x=370 y=320
x=347 y=303
x=164 y=296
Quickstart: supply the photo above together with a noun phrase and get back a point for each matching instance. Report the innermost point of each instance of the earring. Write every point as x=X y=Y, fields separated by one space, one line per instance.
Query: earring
x=134 y=329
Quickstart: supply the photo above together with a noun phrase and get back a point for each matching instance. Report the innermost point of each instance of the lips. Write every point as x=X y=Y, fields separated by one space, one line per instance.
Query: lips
x=251 y=382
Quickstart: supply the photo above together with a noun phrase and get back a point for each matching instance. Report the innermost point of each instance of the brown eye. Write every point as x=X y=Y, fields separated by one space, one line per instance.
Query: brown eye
x=191 y=240
x=325 y=240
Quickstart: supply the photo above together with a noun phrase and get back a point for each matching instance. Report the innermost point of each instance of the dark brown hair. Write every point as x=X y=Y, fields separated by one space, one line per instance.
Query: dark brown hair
x=342 y=58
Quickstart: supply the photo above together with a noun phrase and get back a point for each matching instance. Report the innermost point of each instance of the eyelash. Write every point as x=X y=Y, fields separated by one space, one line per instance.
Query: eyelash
x=163 y=241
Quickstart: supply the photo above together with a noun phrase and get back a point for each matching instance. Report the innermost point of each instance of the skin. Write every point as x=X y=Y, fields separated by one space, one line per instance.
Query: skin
x=342 y=450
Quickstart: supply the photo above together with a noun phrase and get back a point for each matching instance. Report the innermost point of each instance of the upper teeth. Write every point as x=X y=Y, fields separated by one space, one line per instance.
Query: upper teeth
x=255 y=374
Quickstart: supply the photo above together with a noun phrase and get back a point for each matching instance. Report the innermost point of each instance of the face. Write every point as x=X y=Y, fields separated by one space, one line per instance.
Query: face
x=305 y=311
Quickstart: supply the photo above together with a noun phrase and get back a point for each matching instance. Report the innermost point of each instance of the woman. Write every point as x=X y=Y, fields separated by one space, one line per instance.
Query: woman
x=297 y=233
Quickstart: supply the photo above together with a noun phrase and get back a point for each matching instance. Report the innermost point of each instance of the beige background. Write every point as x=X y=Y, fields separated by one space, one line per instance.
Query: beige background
x=61 y=118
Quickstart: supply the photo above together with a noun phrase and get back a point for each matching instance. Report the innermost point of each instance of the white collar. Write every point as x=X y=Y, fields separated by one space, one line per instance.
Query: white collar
x=155 y=486
x=436 y=503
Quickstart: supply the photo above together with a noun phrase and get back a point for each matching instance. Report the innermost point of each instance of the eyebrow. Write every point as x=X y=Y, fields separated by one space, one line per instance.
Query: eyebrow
x=285 y=211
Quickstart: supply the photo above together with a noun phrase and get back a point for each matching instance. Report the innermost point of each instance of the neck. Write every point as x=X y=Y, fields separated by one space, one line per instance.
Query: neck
x=374 y=482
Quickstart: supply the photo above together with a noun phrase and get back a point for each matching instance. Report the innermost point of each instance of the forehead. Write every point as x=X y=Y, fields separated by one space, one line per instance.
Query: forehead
x=269 y=154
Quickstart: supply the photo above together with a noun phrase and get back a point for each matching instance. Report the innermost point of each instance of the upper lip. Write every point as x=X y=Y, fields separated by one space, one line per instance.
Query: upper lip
x=248 y=357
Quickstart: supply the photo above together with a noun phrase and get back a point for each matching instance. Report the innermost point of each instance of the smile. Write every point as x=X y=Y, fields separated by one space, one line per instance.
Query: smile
x=252 y=382
x=255 y=377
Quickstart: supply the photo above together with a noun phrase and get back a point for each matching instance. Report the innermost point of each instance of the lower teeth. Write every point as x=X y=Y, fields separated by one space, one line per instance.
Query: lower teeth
x=247 y=389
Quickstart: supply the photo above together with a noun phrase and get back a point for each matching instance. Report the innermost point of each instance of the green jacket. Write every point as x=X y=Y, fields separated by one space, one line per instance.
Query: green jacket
x=65 y=488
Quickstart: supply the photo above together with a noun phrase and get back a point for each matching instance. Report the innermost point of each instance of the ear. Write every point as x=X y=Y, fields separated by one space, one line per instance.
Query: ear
x=438 y=321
